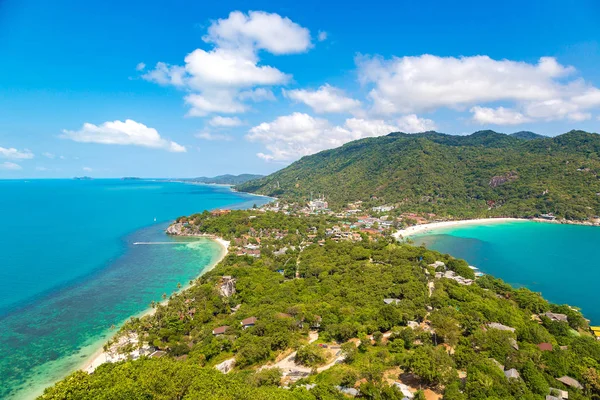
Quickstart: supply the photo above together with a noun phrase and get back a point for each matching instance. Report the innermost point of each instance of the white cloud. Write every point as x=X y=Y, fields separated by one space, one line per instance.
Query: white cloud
x=256 y=95
x=327 y=99
x=292 y=136
x=122 y=133
x=42 y=169
x=225 y=121
x=140 y=67
x=10 y=166
x=322 y=36
x=87 y=169
x=413 y=124
x=218 y=101
x=498 y=116
x=541 y=91
x=14 y=154
x=213 y=136
x=222 y=78
x=259 y=30
x=49 y=155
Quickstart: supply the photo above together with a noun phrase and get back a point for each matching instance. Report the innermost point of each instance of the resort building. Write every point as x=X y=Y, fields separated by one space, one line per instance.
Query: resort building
x=556 y=317
x=248 y=322
x=220 y=330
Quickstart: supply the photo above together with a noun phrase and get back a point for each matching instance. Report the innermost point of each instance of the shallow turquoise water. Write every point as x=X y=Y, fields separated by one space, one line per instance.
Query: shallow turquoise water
x=69 y=267
x=560 y=261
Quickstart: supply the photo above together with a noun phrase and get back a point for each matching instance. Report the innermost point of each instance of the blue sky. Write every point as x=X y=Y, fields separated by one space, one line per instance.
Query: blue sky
x=182 y=88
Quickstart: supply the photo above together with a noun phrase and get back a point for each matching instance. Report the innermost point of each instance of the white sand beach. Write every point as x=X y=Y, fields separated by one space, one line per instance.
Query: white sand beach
x=100 y=356
x=427 y=228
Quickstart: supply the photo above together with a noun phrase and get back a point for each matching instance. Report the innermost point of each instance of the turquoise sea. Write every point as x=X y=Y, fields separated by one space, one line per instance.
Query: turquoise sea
x=560 y=261
x=69 y=268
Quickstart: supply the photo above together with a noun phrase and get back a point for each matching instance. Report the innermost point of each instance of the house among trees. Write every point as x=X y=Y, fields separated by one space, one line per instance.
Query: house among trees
x=220 y=330
x=248 y=322
x=545 y=346
x=549 y=217
x=556 y=317
x=390 y=301
x=567 y=380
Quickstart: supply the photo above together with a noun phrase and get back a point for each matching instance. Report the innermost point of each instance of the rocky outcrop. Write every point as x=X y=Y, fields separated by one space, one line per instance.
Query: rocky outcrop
x=176 y=229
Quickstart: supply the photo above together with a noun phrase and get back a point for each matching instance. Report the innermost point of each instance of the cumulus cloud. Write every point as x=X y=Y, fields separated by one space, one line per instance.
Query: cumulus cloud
x=322 y=36
x=259 y=30
x=292 y=136
x=10 y=166
x=122 y=133
x=230 y=73
x=545 y=90
x=498 y=116
x=413 y=124
x=140 y=67
x=225 y=121
x=14 y=154
x=327 y=99
x=213 y=136
x=256 y=95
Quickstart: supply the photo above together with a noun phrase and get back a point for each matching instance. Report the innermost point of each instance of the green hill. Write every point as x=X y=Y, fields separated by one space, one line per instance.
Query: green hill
x=482 y=174
x=226 y=179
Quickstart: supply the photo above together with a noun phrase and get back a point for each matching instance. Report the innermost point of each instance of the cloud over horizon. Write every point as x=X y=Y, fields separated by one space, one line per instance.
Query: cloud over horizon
x=128 y=132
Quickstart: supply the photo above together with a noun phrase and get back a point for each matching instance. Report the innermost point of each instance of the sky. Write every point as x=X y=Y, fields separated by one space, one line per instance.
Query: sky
x=191 y=88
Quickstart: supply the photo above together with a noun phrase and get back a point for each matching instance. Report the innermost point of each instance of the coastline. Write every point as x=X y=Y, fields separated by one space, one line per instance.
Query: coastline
x=428 y=228
x=100 y=357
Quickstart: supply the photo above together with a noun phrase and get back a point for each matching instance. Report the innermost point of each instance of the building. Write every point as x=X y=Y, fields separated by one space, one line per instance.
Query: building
x=549 y=217
x=391 y=301
x=556 y=317
x=318 y=205
x=545 y=346
x=382 y=208
x=248 y=322
x=567 y=380
x=220 y=330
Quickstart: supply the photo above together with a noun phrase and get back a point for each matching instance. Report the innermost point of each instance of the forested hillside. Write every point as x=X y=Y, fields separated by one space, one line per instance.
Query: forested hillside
x=483 y=174
x=312 y=318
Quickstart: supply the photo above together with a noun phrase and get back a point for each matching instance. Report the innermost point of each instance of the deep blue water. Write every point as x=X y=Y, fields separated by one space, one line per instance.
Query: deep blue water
x=69 y=269
x=560 y=261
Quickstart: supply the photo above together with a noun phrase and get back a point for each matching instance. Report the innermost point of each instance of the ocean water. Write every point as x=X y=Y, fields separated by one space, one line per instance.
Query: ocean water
x=560 y=261
x=69 y=268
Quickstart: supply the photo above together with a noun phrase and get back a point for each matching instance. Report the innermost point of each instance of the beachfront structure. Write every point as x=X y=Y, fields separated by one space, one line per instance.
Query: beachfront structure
x=549 y=217
x=248 y=322
x=556 y=317
x=220 y=330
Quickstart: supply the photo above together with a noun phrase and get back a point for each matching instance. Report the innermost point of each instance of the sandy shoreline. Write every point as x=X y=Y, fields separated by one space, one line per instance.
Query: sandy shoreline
x=100 y=356
x=427 y=228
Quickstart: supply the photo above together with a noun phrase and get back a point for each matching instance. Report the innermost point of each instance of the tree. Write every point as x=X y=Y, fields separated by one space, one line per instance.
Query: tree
x=310 y=355
x=432 y=364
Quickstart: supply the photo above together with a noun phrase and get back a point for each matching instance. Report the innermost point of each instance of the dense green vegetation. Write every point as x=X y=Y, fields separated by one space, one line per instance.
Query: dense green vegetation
x=440 y=338
x=483 y=174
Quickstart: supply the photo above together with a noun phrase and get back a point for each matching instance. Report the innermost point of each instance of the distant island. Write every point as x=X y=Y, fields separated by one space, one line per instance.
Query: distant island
x=225 y=179
x=83 y=178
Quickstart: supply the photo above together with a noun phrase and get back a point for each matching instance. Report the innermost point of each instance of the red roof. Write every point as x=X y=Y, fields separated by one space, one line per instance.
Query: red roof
x=220 y=330
x=545 y=346
x=248 y=321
